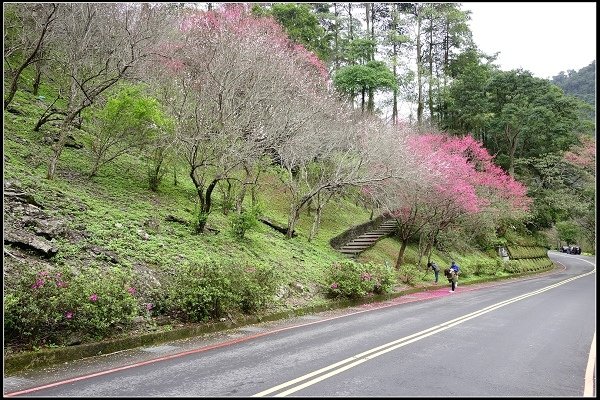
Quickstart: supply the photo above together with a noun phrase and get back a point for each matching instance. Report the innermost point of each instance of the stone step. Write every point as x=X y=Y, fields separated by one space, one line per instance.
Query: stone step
x=369 y=236
x=357 y=247
x=347 y=252
x=364 y=240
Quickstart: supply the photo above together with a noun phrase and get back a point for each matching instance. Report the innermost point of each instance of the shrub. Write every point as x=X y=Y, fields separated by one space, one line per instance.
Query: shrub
x=487 y=266
x=244 y=221
x=527 y=265
x=384 y=277
x=254 y=287
x=200 y=291
x=102 y=301
x=523 y=252
x=409 y=273
x=352 y=280
x=47 y=307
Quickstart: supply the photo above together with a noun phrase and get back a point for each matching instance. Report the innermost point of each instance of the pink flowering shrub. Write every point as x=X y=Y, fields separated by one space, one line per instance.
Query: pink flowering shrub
x=352 y=280
x=49 y=307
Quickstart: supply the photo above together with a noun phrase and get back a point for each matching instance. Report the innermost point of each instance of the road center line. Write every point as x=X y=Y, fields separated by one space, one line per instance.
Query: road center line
x=336 y=368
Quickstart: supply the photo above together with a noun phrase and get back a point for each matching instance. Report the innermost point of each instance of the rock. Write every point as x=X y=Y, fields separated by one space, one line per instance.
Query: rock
x=45 y=227
x=298 y=287
x=152 y=224
x=74 y=339
x=109 y=255
x=22 y=197
x=28 y=241
x=173 y=218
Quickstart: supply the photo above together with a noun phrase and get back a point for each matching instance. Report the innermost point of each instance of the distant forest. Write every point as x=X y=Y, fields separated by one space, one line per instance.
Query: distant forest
x=581 y=84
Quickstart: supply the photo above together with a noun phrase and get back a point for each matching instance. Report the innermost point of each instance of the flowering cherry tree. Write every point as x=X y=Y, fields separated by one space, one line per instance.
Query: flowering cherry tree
x=235 y=76
x=461 y=180
x=583 y=159
x=583 y=155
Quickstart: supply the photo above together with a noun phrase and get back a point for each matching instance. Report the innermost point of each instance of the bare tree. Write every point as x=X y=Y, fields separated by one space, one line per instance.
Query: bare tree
x=25 y=33
x=336 y=149
x=228 y=85
x=94 y=46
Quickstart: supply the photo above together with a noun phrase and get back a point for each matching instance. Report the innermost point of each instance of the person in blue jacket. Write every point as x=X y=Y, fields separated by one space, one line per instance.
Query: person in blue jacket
x=453 y=272
x=455 y=266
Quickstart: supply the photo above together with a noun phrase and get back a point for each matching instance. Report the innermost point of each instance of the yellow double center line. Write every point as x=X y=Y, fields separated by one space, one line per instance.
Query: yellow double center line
x=341 y=366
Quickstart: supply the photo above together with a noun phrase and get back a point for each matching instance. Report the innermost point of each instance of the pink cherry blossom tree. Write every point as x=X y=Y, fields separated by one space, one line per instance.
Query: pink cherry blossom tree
x=582 y=180
x=461 y=180
x=240 y=87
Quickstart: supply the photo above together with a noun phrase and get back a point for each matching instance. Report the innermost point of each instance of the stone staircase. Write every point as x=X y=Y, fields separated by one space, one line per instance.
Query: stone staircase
x=359 y=244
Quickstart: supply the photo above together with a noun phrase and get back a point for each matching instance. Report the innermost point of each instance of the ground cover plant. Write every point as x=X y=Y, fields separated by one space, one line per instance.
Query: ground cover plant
x=181 y=191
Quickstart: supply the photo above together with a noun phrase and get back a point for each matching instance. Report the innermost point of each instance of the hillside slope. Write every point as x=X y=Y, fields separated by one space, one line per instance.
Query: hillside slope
x=112 y=226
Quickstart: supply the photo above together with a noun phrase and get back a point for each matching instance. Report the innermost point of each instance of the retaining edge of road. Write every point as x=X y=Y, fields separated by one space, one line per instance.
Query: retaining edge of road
x=46 y=357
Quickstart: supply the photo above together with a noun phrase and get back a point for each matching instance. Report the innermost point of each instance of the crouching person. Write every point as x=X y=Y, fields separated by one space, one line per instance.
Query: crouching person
x=452 y=278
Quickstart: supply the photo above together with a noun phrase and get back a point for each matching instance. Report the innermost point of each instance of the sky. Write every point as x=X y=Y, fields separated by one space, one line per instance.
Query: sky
x=543 y=38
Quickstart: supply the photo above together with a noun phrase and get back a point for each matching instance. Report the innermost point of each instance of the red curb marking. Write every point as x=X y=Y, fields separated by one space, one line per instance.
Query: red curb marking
x=417 y=296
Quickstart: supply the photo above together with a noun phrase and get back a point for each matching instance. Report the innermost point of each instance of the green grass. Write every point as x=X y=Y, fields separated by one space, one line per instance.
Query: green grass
x=113 y=206
x=113 y=210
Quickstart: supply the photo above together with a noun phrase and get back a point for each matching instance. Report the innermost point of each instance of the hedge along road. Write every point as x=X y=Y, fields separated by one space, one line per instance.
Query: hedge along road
x=528 y=337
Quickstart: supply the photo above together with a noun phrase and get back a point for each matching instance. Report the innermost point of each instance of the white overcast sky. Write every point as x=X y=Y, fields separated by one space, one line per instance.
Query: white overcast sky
x=543 y=38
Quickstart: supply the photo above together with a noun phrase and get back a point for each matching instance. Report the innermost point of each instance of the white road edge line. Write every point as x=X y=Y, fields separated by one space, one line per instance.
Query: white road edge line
x=380 y=350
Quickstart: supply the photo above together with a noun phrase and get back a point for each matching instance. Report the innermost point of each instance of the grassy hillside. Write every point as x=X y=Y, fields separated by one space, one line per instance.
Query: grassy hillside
x=114 y=206
x=114 y=222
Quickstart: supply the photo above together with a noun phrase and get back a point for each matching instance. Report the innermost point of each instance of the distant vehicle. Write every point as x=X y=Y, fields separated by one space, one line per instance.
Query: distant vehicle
x=571 y=249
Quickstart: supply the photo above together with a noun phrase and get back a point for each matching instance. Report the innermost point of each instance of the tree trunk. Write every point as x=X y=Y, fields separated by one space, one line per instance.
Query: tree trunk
x=419 y=74
x=512 y=146
x=30 y=60
x=38 y=77
x=204 y=199
x=205 y=209
x=430 y=80
x=336 y=58
x=395 y=56
x=400 y=259
x=367 y=17
x=316 y=223
x=350 y=21
x=362 y=103
x=292 y=219
x=47 y=115
x=95 y=167
x=240 y=198
x=60 y=144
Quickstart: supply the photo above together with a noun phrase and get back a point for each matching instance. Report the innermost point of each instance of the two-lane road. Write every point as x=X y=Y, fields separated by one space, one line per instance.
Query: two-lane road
x=526 y=337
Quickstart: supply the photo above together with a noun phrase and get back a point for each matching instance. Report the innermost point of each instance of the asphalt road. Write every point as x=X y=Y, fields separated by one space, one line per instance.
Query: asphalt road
x=522 y=337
